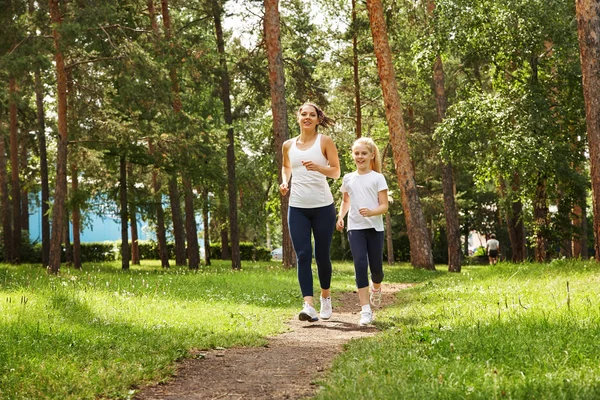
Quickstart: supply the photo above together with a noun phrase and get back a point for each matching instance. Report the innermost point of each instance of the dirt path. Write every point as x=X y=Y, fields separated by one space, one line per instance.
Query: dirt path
x=286 y=368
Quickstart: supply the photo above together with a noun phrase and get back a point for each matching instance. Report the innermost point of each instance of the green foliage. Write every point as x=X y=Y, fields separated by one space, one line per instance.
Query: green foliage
x=248 y=252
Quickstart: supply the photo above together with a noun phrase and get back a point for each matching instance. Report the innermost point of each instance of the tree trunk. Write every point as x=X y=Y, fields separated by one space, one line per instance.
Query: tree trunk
x=178 y=229
x=225 y=253
x=588 y=29
x=23 y=159
x=41 y=136
x=15 y=184
x=420 y=243
x=231 y=175
x=135 y=248
x=161 y=236
x=540 y=216
x=58 y=209
x=355 y=75
x=389 y=238
x=576 y=221
x=279 y=110
x=206 y=223
x=193 y=252
x=5 y=204
x=584 y=232
x=123 y=212
x=76 y=218
x=450 y=212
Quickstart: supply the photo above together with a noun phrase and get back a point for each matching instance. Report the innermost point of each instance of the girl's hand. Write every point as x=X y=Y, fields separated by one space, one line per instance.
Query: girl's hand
x=340 y=224
x=283 y=188
x=365 y=212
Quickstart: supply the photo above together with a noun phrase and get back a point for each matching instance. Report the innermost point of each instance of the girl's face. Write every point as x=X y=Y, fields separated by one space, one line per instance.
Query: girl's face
x=307 y=117
x=362 y=156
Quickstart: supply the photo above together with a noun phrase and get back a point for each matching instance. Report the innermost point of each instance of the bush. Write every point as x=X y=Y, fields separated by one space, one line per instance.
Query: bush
x=248 y=252
x=98 y=252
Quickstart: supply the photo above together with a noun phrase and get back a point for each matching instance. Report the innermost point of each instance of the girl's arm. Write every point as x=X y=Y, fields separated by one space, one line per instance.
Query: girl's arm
x=382 y=208
x=344 y=207
x=286 y=168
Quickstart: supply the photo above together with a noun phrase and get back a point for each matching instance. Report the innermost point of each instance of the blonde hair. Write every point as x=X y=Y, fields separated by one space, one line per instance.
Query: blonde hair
x=367 y=141
x=324 y=120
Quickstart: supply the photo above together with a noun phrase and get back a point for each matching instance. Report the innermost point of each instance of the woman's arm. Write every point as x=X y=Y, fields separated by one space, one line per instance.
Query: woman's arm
x=286 y=168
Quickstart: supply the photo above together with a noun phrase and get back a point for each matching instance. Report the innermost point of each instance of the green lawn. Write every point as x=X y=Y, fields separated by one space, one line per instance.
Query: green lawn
x=511 y=331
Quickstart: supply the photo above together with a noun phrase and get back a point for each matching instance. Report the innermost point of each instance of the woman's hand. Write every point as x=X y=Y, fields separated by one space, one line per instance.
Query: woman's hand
x=283 y=188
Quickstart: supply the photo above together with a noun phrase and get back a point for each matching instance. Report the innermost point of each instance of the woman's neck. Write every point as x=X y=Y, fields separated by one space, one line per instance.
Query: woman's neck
x=308 y=133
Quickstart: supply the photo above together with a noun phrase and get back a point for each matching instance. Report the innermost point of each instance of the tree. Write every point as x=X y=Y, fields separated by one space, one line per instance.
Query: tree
x=588 y=29
x=279 y=111
x=58 y=209
x=420 y=242
x=231 y=178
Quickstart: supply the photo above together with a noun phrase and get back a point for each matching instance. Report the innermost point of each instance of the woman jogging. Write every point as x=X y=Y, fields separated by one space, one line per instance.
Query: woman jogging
x=311 y=158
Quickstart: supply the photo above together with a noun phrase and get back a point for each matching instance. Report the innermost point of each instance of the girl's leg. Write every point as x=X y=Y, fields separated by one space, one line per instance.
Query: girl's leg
x=375 y=254
x=323 y=225
x=299 y=225
x=358 y=247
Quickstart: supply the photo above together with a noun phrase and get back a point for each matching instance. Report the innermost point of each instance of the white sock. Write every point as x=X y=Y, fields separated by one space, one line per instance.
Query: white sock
x=366 y=307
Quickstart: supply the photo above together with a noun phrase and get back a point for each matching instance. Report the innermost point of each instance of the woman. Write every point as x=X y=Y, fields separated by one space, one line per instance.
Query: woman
x=311 y=158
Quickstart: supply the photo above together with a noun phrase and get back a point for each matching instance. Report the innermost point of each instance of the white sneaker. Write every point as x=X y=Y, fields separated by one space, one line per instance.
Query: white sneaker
x=375 y=297
x=325 y=308
x=366 y=317
x=308 y=313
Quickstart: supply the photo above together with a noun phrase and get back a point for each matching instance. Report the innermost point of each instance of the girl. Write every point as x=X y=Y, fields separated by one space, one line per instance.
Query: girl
x=311 y=158
x=365 y=196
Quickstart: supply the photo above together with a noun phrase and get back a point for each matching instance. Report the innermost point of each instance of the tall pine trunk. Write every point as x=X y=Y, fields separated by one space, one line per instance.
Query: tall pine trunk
x=540 y=216
x=76 y=215
x=135 y=248
x=177 y=217
x=355 y=74
x=14 y=169
x=191 y=229
x=588 y=29
x=123 y=212
x=205 y=216
x=5 y=203
x=450 y=211
x=58 y=209
x=161 y=236
x=420 y=243
x=231 y=175
x=279 y=110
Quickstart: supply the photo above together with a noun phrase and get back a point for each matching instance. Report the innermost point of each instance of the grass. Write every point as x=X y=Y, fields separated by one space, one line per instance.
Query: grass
x=512 y=331
x=527 y=331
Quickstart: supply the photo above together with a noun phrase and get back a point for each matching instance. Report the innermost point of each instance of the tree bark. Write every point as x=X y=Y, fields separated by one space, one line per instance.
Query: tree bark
x=5 y=204
x=206 y=222
x=15 y=167
x=588 y=29
x=279 y=110
x=41 y=136
x=576 y=244
x=225 y=253
x=178 y=229
x=420 y=243
x=514 y=220
x=161 y=236
x=23 y=159
x=76 y=218
x=540 y=216
x=355 y=74
x=123 y=212
x=448 y=189
x=231 y=175
x=66 y=237
x=191 y=229
x=58 y=209
x=135 y=248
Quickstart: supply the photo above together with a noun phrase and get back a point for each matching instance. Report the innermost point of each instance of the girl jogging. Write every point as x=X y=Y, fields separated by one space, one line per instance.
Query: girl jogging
x=365 y=197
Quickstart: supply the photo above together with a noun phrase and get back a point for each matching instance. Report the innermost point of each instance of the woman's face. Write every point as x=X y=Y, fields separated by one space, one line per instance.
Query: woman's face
x=307 y=117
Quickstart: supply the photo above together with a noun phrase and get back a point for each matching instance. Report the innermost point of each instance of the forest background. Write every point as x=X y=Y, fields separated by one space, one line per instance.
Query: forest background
x=163 y=112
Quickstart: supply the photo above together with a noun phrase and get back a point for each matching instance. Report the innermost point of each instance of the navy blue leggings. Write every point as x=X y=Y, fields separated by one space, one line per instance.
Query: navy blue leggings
x=321 y=221
x=367 y=251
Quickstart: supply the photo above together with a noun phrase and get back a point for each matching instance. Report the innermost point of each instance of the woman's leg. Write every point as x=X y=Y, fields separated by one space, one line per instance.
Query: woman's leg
x=300 y=226
x=323 y=225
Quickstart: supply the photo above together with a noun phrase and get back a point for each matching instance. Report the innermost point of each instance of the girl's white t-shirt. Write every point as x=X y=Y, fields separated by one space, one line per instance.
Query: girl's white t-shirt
x=364 y=192
x=309 y=188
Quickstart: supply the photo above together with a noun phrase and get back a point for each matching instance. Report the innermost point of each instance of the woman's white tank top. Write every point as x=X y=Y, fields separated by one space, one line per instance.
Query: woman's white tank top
x=309 y=188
